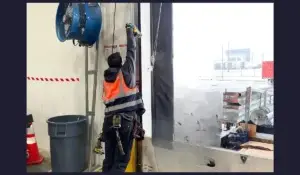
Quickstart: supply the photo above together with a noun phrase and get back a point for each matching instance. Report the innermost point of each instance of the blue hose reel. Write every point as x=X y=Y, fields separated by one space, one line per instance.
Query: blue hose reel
x=80 y=22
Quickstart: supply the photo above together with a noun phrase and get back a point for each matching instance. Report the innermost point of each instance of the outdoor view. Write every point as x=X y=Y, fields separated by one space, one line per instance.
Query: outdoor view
x=223 y=64
x=237 y=36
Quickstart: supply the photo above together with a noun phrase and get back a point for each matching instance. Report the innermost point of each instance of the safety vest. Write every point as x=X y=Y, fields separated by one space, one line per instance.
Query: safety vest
x=119 y=98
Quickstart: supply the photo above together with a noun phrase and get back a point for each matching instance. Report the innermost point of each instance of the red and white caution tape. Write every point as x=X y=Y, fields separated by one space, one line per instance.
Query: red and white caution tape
x=110 y=46
x=46 y=79
x=53 y=79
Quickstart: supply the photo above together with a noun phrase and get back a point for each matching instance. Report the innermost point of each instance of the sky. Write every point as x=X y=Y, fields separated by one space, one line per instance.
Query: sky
x=201 y=29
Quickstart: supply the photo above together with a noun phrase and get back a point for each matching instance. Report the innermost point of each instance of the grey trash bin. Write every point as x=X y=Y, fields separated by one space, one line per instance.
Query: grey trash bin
x=68 y=143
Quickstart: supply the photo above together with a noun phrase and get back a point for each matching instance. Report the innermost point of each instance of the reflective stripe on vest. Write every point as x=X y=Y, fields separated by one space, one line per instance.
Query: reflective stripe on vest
x=123 y=106
x=118 y=96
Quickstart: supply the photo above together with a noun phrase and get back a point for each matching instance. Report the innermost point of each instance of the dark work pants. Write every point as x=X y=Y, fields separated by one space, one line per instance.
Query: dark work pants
x=114 y=161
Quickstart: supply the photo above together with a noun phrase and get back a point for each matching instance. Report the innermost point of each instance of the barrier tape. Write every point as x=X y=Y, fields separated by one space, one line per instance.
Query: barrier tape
x=110 y=46
x=68 y=79
x=53 y=79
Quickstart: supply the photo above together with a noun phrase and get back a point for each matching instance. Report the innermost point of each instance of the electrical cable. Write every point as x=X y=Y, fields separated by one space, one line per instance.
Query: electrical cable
x=114 y=28
x=156 y=37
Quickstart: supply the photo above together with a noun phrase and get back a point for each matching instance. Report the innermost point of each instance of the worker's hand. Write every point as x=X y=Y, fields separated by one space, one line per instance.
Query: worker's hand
x=129 y=26
x=134 y=29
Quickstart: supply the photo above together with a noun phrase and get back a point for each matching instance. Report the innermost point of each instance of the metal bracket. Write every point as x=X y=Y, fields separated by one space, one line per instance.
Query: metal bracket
x=92 y=72
x=91 y=113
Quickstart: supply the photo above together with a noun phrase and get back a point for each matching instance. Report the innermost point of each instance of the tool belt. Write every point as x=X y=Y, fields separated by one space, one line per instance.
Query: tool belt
x=138 y=131
x=116 y=125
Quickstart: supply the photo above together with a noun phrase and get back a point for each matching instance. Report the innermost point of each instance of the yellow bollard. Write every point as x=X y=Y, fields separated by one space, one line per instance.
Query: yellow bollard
x=131 y=167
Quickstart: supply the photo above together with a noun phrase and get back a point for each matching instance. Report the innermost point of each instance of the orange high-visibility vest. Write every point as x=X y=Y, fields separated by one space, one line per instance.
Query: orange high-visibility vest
x=118 y=97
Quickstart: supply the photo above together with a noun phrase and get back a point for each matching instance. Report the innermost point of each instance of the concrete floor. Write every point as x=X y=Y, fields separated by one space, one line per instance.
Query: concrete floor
x=45 y=166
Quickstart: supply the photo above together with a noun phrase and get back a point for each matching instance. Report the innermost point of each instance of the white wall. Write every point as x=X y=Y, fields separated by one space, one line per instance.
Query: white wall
x=146 y=73
x=47 y=57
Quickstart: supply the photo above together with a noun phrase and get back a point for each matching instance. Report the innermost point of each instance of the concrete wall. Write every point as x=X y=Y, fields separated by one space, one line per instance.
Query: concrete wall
x=191 y=158
x=49 y=58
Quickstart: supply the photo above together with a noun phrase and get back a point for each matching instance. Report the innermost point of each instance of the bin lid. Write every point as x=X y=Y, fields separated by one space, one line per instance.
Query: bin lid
x=67 y=119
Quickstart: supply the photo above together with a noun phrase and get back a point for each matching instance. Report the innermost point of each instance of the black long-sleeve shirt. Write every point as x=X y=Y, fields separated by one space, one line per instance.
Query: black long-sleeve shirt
x=128 y=68
x=129 y=72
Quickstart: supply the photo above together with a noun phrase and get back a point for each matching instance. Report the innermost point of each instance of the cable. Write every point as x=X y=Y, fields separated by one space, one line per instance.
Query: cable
x=156 y=38
x=114 y=28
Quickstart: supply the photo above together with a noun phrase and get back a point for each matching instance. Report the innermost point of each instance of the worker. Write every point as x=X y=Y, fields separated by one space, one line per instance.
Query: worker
x=123 y=106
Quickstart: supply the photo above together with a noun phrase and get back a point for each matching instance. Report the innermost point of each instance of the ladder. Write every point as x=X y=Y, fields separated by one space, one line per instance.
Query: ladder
x=90 y=110
x=91 y=113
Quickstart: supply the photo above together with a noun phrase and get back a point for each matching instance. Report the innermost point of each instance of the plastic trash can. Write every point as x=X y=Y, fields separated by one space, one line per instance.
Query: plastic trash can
x=68 y=143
